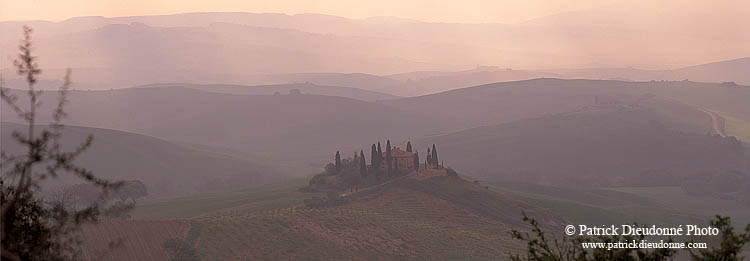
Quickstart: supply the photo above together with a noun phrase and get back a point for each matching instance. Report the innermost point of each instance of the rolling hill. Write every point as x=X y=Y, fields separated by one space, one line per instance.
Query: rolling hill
x=299 y=129
x=504 y=102
x=717 y=72
x=723 y=71
x=235 y=48
x=305 y=130
x=440 y=217
x=437 y=217
x=650 y=143
x=423 y=83
x=166 y=168
x=306 y=88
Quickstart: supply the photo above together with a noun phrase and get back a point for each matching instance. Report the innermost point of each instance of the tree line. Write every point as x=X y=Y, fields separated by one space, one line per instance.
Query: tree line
x=355 y=172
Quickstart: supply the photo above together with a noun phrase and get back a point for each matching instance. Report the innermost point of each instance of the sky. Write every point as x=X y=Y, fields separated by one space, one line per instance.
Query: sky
x=460 y=11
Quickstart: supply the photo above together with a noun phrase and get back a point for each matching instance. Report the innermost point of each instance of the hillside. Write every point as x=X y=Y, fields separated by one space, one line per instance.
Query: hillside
x=723 y=71
x=639 y=145
x=716 y=72
x=166 y=168
x=297 y=129
x=420 y=215
x=437 y=217
x=510 y=101
x=305 y=88
x=423 y=83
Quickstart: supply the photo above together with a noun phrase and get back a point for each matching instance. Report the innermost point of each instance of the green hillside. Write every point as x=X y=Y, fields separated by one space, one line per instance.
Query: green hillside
x=167 y=169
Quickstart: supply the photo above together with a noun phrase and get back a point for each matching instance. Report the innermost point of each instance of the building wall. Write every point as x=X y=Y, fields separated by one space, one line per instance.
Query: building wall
x=403 y=163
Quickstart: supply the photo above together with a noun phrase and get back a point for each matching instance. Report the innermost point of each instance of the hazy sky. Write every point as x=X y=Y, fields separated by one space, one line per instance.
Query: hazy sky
x=469 y=11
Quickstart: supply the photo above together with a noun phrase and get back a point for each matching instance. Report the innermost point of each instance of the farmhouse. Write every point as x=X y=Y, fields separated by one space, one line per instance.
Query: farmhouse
x=401 y=159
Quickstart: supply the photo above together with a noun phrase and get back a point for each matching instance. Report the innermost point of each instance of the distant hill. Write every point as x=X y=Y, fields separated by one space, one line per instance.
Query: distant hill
x=305 y=129
x=363 y=81
x=305 y=88
x=724 y=71
x=502 y=102
x=648 y=144
x=123 y=55
x=717 y=72
x=167 y=169
x=422 y=83
x=231 y=47
x=509 y=101
x=298 y=129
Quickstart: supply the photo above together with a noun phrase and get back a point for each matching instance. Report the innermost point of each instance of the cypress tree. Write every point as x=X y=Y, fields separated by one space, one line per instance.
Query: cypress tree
x=380 y=155
x=362 y=164
x=408 y=146
x=338 y=161
x=388 y=157
x=416 y=160
x=374 y=157
x=434 y=155
x=428 y=162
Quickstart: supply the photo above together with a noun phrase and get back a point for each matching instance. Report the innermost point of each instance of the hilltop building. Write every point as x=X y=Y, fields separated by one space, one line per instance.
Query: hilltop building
x=401 y=158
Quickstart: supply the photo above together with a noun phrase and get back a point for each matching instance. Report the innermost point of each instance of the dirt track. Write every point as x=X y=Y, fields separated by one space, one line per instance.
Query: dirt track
x=715 y=122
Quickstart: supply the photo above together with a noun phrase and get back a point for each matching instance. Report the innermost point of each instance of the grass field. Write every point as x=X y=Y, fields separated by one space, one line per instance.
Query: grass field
x=736 y=126
x=674 y=198
x=650 y=205
x=435 y=218
x=271 y=196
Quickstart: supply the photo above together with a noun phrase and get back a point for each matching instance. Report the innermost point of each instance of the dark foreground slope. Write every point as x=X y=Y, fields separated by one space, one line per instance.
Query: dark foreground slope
x=642 y=144
x=167 y=169
x=436 y=218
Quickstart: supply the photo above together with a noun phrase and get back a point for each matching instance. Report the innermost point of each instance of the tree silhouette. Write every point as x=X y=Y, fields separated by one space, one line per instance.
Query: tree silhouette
x=435 y=160
x=540 y=246
x=408 y=146
x=416 y=160
x=338 y=161
x=428 y=161
x=731 y=242
x=543 y=247
x=374 y=157
x=362 y=164
x=388 y=158
x=380 y=156
x=33 y=228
